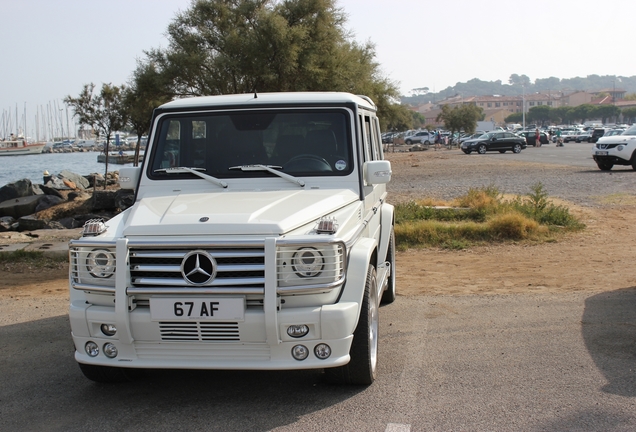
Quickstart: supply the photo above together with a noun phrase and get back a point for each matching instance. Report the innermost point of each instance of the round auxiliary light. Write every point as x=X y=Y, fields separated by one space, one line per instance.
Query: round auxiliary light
x=100 y=263
x=300 y=352
x=108 y=329
x=620 y=147
x=307 y=262
x=297 y=330
x=322 y=351
x=110 y=350
x=91 y=348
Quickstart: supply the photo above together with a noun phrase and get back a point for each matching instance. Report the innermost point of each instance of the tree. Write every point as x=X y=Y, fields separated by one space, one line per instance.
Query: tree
x=243 y=46
x=104 y=112
x=606 y=112
x=514 y=118
x=463 y=117
x=564 y=114
x=629 y=115
x=583 y=112
x=539 y=113
x=519 y=80
x=145 y=92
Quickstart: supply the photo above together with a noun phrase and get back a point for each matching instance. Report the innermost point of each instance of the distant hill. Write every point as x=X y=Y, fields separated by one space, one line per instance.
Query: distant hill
x=477 y=87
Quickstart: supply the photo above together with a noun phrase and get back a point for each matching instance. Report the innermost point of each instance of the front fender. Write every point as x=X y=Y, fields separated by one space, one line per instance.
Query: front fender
x=360 y=255
x=385 y=232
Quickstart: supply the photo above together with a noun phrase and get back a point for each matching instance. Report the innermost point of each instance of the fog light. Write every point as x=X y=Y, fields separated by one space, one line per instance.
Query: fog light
x=110 y=350
x=322 y=351
x=298 y=330
x=91 y=349
x=620 y=148
x=300 y=352
x=108 y=329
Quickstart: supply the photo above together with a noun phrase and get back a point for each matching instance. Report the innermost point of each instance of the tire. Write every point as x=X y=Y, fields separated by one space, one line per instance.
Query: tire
x=106 y=374
x=388 y=296
x=482 y=149
x=516 y=148
x=502 y=151
x=427 y=142
x=362 y=368
x=467 y=151
x=408 y=141
x=605 y=166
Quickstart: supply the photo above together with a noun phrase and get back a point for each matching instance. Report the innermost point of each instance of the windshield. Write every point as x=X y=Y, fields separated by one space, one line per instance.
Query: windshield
x=299 y=142
x=630 y=131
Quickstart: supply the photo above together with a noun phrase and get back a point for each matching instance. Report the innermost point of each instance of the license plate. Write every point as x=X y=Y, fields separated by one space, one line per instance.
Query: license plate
x=601 y=153
x=200 y=309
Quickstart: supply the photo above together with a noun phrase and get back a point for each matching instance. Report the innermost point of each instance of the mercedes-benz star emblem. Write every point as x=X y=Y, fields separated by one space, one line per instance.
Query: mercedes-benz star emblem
x=198 y=267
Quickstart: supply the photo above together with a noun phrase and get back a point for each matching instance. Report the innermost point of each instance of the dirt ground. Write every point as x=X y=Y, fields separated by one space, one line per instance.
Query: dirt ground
x=600 y=258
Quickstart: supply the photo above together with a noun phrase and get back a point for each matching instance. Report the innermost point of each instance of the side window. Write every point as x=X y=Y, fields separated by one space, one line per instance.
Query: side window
x=172 y=144
x=365 y=132
x=378 y=138
x=372 y=142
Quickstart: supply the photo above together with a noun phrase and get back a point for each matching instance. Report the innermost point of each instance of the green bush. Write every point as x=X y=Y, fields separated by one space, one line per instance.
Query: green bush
x=482 y=215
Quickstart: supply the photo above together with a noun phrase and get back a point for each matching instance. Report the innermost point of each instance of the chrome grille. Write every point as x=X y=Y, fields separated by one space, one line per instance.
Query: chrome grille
x=607 y=146
x=199 y=331
x=240 y=267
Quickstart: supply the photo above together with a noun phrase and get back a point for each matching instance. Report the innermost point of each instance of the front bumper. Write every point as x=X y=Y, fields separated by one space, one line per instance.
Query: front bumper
x=149 y=345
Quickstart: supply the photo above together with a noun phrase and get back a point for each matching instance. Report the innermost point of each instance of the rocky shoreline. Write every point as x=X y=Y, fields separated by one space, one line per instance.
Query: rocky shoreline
x=63 y=201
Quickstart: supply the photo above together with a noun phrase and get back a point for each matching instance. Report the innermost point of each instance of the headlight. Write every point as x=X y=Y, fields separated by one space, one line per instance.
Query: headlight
x=100 y=263
x=93 y=265
x=308 y=262
x=311 y=264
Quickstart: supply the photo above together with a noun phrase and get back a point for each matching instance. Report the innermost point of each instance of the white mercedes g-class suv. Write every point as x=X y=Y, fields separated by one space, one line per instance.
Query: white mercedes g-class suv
x=616 y=150
x=259 y=238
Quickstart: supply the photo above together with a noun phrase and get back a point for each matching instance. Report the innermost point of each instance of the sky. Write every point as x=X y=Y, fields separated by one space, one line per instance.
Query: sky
x=50 y=49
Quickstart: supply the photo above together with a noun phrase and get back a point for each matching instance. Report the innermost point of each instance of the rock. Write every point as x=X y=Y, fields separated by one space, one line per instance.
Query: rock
x=50 y=191
x=47 y=201
x=20 y=206
x=37 y=190
x=56 y=183
x=79 y=181
x=72 y=196
x=103 y=200
x=18 y=189
x=124 y=198
x=5 y=223
x=30 y=223
x=418 y=147
x=70 y=223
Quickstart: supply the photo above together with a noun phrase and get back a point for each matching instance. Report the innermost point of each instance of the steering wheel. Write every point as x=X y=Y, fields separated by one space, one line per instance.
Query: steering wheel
x=307 y=162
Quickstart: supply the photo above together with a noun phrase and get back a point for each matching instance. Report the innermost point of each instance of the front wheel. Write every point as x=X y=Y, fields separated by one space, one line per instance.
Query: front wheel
x=408 y=142
x=605 y=166
x=482 y=149
x=516 y=148
x=361 y=369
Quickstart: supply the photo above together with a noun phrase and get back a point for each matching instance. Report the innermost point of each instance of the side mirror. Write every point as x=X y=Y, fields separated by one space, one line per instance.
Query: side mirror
x=377 y=172
x=129 y=177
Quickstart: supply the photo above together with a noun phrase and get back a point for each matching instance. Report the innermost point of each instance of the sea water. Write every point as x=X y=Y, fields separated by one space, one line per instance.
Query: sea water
x=13 y=168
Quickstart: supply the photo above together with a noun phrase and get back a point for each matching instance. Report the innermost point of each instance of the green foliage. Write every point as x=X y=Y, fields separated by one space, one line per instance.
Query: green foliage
x=104 y=112
x=242 y=46
x=482 y=215
x=460 y=118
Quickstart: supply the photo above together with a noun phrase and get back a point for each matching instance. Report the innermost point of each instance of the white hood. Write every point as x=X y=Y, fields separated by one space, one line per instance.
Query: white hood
x=233 y=213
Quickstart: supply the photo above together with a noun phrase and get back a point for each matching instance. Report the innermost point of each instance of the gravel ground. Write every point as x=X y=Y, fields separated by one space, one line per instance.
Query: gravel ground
x=448 y=174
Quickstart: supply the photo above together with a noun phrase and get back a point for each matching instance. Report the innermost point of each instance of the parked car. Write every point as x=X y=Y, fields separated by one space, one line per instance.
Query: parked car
x=596 y=134
x=583 y=136
x=614 y=132
x=495 y=141
x=616 y=150
x=530 y=137
x=570 y=135
x=421 y=137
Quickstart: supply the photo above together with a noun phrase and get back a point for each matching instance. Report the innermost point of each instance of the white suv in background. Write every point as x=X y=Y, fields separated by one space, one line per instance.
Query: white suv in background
x=616 y=150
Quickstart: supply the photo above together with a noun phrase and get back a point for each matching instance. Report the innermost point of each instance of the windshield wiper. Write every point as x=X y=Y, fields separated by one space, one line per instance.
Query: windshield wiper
x=195 y=171
x=271 y=168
